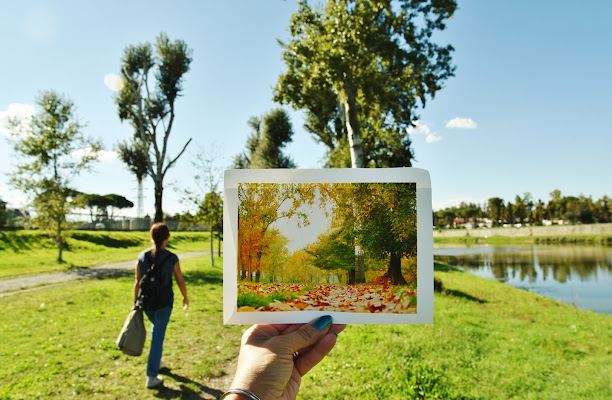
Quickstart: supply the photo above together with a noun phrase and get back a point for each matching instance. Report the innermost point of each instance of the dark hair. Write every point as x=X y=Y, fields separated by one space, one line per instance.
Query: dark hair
x=159 y=233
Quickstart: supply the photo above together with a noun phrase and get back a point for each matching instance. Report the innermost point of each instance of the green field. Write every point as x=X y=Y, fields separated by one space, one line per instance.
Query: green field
x=31 y=252
x=489 y=341
x=60 y=341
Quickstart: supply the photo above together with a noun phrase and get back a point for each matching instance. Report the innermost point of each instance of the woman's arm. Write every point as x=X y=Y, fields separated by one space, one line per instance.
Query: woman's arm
x=181 y=284
x=137 y=277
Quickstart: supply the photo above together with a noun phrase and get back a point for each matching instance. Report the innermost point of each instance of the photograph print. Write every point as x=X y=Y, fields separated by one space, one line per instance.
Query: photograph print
x=327 y=247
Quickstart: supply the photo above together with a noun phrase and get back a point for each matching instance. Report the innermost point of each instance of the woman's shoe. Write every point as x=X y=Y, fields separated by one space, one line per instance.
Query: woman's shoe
x=153 y=381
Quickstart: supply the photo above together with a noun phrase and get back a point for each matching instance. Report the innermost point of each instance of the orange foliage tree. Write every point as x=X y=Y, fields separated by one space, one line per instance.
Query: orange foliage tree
x=260 y=205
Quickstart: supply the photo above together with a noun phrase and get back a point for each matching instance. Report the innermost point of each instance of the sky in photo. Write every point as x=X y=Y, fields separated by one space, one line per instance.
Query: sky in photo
x=527 y=111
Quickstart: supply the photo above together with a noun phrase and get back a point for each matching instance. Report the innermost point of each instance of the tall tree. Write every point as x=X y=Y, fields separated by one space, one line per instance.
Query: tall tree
x=365 y=65
x=49 y=161
x=264 y=147
x=150 y=107
x=496 y=206
x=204 y=194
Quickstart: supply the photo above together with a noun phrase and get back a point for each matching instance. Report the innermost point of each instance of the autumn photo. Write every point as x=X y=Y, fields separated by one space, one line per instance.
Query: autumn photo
x=344 y=247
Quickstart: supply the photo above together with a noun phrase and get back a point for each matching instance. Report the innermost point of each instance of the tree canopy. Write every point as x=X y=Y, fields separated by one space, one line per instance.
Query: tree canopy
x=153 y=81
x=102 y=207
x=264 y=146
x=52 y=151
x=380 y=218
x=360 y=69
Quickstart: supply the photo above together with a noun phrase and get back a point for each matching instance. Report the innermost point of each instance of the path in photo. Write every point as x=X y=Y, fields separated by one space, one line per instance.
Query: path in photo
x=369 y=298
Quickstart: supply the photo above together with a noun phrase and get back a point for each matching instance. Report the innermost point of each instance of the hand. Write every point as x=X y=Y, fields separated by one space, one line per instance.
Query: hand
x=185 y=303
x=266 y=364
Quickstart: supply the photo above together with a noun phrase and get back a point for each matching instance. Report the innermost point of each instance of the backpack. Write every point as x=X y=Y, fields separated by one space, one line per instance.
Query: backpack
x=152 y=295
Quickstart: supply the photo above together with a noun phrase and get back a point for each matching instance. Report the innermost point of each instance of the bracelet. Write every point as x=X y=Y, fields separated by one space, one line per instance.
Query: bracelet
x=252 y=395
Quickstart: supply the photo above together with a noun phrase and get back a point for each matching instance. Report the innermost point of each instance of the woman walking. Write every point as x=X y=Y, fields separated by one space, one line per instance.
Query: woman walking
x=168 y=264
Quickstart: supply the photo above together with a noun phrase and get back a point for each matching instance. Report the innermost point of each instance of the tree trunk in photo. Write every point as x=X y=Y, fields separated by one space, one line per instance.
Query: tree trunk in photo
x=159 y=213
x=250 y=270
x=395 y=270
x=257 y=276
x=351 y=277
x=359 y=266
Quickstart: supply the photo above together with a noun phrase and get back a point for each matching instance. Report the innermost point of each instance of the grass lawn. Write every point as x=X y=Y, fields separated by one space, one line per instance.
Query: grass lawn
x=60 y=342
x=489 y=341
x=31 y=252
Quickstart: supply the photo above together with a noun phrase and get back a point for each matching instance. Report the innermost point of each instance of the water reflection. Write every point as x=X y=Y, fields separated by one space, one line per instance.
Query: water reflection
x=572 y=274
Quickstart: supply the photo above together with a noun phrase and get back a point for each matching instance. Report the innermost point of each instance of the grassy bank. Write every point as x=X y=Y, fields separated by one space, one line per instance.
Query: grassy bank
x=31 y=252
x=603 y=239
x=489 y=341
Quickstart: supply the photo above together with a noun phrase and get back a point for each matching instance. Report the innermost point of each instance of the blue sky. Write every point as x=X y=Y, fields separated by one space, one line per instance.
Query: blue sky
x=528 y=110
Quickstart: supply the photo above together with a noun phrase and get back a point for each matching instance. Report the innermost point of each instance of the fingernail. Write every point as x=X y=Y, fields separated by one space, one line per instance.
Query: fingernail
x=322 y=322
x=335 y=334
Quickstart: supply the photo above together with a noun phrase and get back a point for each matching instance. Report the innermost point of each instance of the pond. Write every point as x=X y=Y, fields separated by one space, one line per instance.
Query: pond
x=577 y=275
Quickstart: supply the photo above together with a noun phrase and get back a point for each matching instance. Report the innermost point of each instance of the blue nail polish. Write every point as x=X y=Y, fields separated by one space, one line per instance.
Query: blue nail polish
x=322 y=322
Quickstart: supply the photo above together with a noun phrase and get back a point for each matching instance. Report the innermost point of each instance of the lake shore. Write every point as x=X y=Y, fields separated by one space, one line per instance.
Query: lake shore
x=588 y=234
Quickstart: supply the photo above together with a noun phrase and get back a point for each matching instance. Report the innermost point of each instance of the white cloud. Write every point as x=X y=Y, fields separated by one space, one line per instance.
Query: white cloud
x=23 y=112
x=461 y=123
x=422 y=129
x=113 y=82
x=432 y=138
x=103 y=155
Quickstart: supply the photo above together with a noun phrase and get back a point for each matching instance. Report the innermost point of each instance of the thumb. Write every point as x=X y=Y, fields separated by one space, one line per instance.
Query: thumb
x=306 y=335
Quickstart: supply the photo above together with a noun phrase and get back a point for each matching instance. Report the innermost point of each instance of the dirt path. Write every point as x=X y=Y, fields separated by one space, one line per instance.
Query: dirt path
x=17 y=285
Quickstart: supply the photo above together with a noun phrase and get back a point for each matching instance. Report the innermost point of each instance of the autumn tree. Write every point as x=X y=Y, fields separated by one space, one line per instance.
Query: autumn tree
x=381 y=218
x=335 y=250
x=387 y=223
x=52 y=151
x=259 y=206
x=360 y=69
x=152 y=83
x=274 y=260
x=264 y=146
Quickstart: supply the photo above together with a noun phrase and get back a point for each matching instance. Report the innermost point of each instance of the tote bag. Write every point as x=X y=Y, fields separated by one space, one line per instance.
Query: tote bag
x=132 y=336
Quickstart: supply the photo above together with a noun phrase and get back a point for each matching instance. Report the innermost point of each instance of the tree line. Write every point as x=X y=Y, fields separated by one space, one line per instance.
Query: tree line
x=526 y=210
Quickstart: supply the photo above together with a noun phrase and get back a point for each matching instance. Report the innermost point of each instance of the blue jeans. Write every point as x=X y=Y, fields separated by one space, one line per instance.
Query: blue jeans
x=159 y=320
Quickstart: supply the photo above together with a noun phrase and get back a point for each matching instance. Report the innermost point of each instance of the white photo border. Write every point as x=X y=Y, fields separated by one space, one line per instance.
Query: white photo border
x=425 y=297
